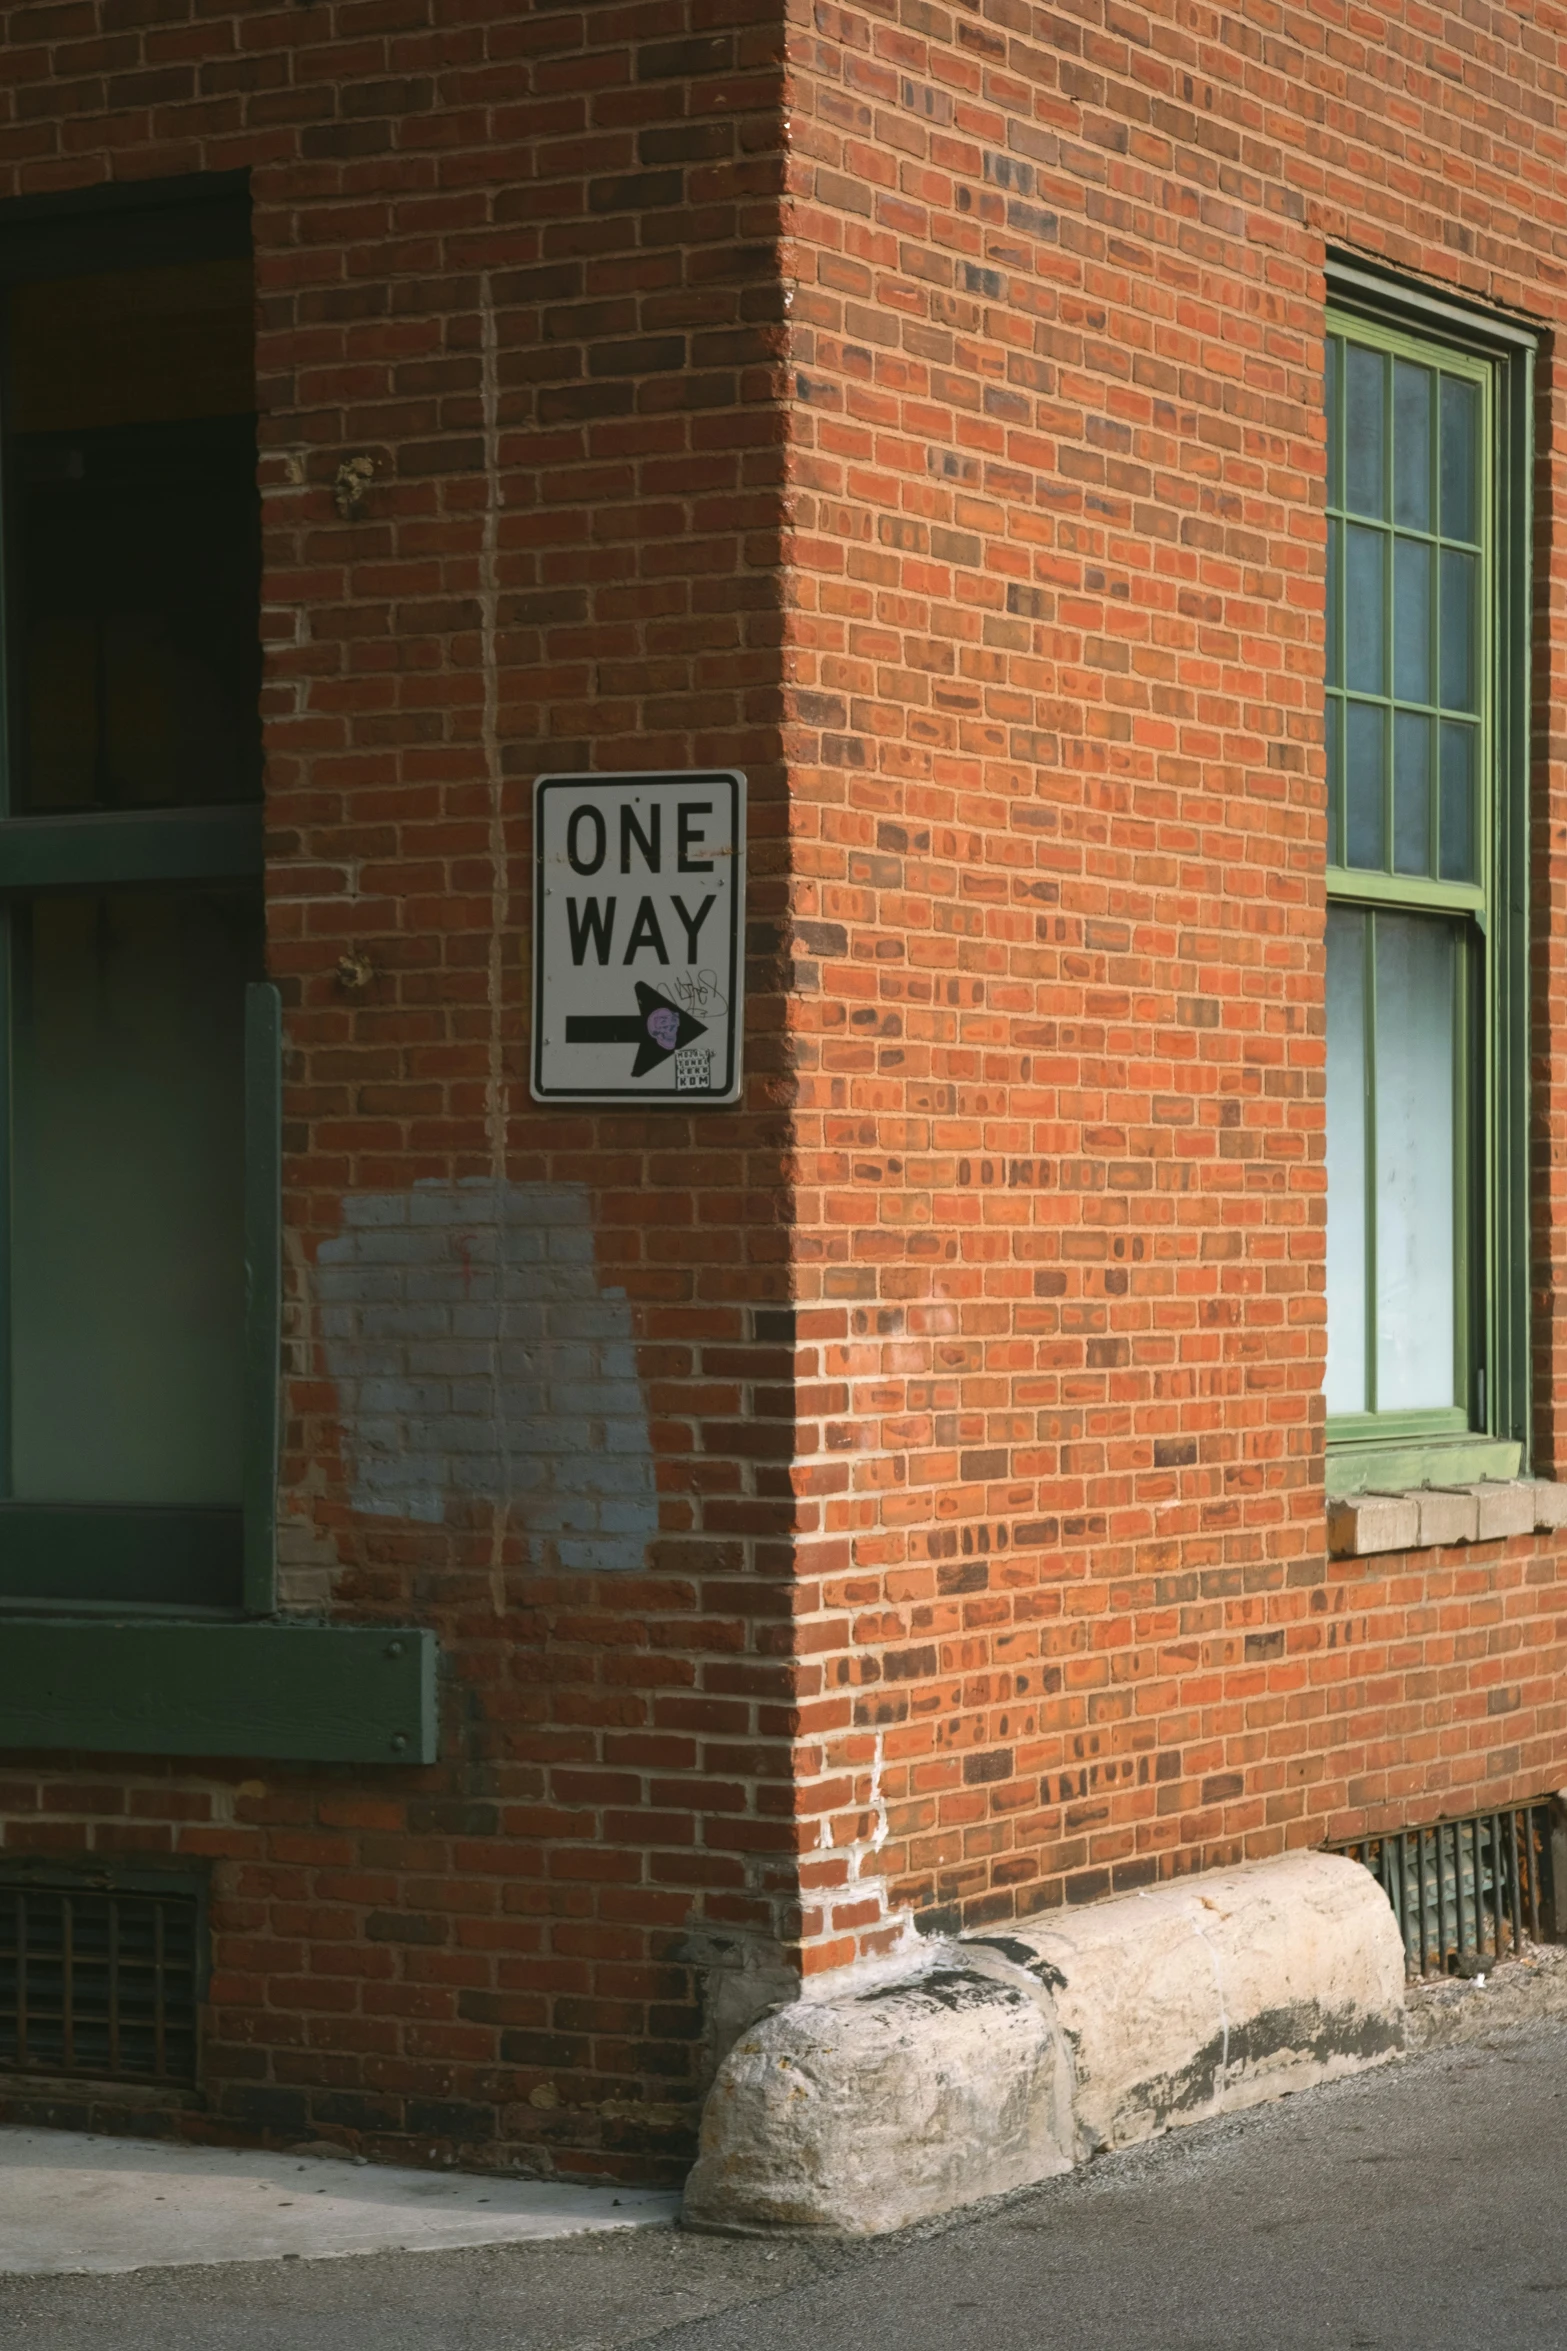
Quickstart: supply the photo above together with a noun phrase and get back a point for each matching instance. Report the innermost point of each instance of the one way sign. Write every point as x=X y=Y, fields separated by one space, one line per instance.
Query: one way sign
x=638 y=902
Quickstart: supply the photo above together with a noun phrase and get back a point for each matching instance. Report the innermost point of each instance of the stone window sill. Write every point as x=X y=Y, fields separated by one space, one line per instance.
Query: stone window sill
x=1362 y=1524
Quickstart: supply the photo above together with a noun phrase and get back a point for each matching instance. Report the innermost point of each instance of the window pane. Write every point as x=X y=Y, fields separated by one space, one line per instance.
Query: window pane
x=1335 y=720
x=127 y=1298
x=1458 y=794
x=1458 y=631
x=1335 y=453
x=1412 y=445
x=1365 y=450
x=1364 y=785
x=1460 y=448
x=1346 y=1376
x=1335 y=602
x=1411 y=793
x=1412 y=619
x=133 y=579
x=1414 y=1163
x=1365 y=656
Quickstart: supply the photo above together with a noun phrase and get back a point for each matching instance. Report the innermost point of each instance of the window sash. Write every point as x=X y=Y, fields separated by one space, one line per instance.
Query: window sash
x=195 y=1558
x=1378 y=1217
x=1472 y=892
x=1467 y=901
x=147 y=845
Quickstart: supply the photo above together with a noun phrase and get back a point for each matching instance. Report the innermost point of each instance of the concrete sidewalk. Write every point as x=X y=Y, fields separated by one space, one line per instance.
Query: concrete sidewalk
x=1414 y=2209
x=72 y=2202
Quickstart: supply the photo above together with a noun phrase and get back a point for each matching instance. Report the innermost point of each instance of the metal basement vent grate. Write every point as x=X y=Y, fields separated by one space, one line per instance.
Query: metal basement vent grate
x=1465 y=1891
x=95 y=1983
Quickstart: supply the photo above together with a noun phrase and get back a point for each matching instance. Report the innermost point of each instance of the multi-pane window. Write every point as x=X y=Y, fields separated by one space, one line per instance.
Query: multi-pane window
x=1412 y=1038
x=130 y=901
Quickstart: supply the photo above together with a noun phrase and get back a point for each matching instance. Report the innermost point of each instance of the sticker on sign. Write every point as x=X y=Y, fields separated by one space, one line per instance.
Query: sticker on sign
x=638 y=903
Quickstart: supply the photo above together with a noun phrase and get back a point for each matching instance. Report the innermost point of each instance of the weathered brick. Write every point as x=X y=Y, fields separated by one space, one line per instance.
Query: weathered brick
x=568 y=557
x=1033 y=1601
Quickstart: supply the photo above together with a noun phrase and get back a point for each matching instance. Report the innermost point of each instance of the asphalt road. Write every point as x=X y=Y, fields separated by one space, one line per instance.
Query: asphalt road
x=1420 y=2209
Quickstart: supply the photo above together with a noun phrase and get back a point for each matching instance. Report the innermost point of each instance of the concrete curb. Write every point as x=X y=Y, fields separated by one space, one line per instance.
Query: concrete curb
x=1003 y=2058
x=1220 y=1992
x=849 y=2117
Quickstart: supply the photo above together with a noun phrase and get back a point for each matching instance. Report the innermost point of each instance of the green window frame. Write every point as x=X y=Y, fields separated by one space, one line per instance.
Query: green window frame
x=152 y=1628
x=1426 y=733
x=93 y=1555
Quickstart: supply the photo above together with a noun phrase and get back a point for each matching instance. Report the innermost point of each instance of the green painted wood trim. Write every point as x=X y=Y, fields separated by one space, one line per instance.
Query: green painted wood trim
x=54 y=1553
x=7 y=998
x=1398 y=892
x=1397 y=314
x=304 y=1693
x=1399 y=1469
x=1509 y=1404
x=263 y=1288
x=1399 y=1428
x=147 y=845
x=1411 y=303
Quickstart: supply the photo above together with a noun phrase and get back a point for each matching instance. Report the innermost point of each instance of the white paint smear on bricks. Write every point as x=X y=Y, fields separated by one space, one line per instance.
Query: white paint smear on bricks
x=72 y=2202
x=477 y=1358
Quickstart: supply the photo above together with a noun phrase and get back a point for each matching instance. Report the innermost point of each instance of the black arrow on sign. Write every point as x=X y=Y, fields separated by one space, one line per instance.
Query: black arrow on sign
x=657 y=1028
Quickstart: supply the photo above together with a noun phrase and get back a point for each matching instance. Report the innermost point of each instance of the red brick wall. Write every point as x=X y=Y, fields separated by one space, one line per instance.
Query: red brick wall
x=986 y=512
x=522 y=258
x=1057 y=788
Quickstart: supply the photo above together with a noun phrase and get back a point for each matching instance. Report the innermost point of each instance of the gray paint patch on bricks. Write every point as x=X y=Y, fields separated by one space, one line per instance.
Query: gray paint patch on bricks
x=478 y=1359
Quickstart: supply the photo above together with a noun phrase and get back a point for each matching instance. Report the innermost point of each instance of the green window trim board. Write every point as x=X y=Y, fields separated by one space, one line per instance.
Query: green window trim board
x=263 y=1291
x=303 y=1693
x=1401 y=1469
x=1405 y=1449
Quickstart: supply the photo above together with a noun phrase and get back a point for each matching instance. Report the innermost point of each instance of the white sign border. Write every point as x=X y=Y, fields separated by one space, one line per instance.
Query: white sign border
x=610 y=1096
